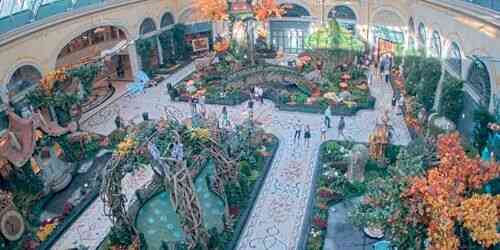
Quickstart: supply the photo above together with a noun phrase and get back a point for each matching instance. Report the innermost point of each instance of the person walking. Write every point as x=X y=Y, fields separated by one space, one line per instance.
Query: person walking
x=341 y=126
x=307 y=136
x=323 y=131
x=394 y=100
x=203 y=107
x=298 y=131
x=224 y=120
x=250 y=109
x=260 y=94
x=328 y=115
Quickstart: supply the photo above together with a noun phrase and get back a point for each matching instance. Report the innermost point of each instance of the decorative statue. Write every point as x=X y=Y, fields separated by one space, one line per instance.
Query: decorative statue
x=56 y=174
x=358 y=159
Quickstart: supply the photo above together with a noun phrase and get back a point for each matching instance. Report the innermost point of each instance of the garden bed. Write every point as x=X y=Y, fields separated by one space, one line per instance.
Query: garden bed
x=331 y=187
x=229 y=238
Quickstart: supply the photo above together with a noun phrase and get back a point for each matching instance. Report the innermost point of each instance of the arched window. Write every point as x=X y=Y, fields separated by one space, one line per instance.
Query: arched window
x=479 y=80
x=148 y=25
x=24 y=78
x=166 y=20
x=342 y=12
x=345 y=17
x=411 y=26
x=295 y=10
x=436 y=44
x=454 y=59
x=422 y=35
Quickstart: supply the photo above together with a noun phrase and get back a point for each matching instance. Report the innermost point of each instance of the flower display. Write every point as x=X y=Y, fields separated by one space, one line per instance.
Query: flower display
x=126 y=147
x=44 y=232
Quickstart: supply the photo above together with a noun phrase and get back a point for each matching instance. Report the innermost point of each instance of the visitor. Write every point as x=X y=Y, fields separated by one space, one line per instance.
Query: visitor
x=394 y=100
x=341 y=126
x=259 y=93
x=307 y=136
x=328 y=114
x=401 y=103
x=177 y=151
x=119 y=122
x=203 y=107
x=250 y=109
x=224 y=121
x=323 y=131
x=298 y=131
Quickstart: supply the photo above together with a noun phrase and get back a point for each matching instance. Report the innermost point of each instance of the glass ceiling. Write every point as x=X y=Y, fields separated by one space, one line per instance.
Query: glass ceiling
x=8 y=7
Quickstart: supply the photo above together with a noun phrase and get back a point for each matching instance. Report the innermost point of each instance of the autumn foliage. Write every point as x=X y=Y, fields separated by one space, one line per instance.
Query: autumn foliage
x=218 y=10
x=441 y=198
x=480 y=216
x=264 y=9
x=215 y=10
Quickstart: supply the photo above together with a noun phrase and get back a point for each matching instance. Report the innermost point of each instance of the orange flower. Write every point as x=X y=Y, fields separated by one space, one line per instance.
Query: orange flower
x=436 y=198
x=221 y=46
x=264 y=9
x=215 y=10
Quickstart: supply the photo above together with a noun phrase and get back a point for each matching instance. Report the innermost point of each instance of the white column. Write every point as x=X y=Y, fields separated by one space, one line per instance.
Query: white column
x=160 y=54
x=135 y=61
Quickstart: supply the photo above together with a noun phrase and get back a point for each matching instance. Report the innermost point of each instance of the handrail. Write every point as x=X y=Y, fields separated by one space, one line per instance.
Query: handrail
x=70 y=14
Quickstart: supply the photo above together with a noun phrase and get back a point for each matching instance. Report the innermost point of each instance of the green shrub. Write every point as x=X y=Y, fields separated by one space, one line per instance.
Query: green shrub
x=300 y=98
x=430 y=75
x=333 y=152
x=120 y=236
x=452 y=98
x=481 y=131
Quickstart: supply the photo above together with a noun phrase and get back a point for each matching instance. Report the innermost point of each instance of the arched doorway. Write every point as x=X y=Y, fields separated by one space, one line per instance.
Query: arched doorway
x=454 y=59
x=436 y=45
x=478 y=94
x=147 y=46
x=345 y=17
x=91 y=44
x=105 y=46
x=387 y=32
x=166 y=38
x=289 y=32
x=23 y=80
x=198 y=32
x=422 y=36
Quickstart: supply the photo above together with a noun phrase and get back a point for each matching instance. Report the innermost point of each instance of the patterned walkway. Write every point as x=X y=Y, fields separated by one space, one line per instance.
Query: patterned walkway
x=276 y=221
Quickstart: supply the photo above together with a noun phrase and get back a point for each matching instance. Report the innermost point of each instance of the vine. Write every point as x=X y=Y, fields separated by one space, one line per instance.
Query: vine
x=144 y=49
x=86 y=74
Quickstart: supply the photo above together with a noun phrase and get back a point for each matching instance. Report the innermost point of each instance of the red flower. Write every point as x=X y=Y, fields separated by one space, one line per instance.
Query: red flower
x=320 y=223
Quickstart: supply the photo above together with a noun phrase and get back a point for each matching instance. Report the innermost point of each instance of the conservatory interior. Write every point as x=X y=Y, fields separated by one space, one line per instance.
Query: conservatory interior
x=249 y=124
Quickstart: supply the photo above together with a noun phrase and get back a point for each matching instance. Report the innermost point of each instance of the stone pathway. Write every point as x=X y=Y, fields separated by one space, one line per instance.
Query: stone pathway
x=92 y=226
x=277 y=219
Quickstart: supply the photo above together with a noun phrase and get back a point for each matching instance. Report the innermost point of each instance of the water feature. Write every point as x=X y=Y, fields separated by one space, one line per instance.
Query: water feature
x=159 y=222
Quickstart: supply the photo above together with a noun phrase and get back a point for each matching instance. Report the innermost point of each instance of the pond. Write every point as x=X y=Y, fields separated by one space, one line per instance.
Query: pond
x=159 y=222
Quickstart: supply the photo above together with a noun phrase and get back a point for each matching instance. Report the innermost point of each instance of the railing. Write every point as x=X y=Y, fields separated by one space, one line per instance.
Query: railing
x=490 y=4
x=41 y=11
x=20 y=24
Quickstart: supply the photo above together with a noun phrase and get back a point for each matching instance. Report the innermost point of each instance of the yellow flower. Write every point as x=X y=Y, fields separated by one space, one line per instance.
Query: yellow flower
x=202 y=134
x=44 y=232
x=125 y=147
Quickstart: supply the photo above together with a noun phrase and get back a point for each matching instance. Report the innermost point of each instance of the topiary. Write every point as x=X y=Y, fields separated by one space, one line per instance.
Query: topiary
x=452 y=98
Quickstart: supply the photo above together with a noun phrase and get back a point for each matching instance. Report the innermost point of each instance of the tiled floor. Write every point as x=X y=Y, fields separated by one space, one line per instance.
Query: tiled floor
x=277 y=218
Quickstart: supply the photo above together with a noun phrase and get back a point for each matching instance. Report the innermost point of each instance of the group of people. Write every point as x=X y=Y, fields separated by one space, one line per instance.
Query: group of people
x=326 y=125
x=385 y=67
x=197 y=104
x=258 y=93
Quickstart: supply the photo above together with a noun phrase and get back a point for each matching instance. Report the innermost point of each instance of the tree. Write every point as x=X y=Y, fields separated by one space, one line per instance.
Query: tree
x=435 y=199
x=214 y=10
x=480 y=216
x=383 y=205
